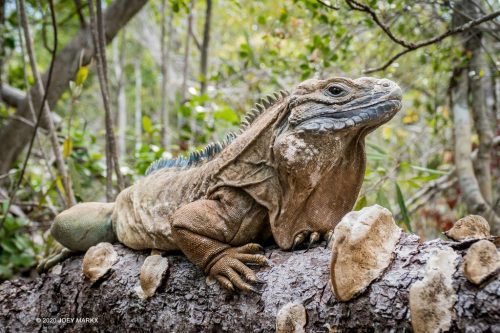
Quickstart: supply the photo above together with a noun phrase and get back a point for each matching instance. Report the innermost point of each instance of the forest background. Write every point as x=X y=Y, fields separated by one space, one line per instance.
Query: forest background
x=108 y=87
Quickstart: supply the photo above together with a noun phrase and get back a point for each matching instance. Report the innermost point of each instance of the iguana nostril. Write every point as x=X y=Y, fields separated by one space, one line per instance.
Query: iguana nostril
x=386 y=84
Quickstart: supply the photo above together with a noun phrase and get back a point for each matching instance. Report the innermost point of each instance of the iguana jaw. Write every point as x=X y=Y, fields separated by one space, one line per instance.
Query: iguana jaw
x=371 y=114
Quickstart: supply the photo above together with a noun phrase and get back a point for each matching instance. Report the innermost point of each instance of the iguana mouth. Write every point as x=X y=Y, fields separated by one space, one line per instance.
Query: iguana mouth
x=375 y=113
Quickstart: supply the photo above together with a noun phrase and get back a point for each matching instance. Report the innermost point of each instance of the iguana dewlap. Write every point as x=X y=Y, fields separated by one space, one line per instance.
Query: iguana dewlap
x=292 y=173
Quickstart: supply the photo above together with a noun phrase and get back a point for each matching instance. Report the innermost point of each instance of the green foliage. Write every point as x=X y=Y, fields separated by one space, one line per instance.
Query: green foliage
x=256 y=48
x=17 y=250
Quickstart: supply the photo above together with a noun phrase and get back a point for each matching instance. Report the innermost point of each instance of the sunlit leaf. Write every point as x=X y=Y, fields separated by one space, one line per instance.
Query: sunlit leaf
x=81 y=75
x=403 y=209
x=147 y=124
x=67 y=147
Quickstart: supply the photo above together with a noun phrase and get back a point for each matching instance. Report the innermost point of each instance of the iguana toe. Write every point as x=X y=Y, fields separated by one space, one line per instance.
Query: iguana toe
x=299 y=239
x=313 y=239
x=231 y=269
x=250 y=247
x=47 y=263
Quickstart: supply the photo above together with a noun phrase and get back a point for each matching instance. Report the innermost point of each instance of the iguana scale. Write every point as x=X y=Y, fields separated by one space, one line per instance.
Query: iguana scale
x=292 y=173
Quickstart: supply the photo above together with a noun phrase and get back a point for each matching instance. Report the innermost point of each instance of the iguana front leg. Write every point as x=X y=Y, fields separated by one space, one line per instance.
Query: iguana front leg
x=217 y=234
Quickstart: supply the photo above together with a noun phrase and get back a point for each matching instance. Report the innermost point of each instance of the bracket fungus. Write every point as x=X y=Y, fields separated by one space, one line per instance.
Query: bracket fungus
x=291 y=318
x=98 y=260
x=153 y=271
x=363 y=247
x=469 y=227
x=432 y=298
x=481 y=261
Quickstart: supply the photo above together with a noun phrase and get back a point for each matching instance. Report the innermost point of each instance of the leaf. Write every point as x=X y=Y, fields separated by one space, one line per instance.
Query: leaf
x=362 y=202
x=81 y=75
x=382 y=199
x=227 y=114
x=67 y=147
x=60 y=185
x=431 y=171
x=376 y=148
x=403 y=209
x=147 y=124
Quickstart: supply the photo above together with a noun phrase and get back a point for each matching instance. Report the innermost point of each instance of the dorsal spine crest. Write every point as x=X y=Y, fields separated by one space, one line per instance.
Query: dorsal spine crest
x=213 y=149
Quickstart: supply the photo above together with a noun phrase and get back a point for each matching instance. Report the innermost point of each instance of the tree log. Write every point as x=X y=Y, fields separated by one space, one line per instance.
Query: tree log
x=185 y=302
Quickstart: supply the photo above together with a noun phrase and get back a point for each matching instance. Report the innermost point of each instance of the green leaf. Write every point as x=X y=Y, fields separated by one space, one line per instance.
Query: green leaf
x=228 y=115
x=362 y=202
x=403 y=209
x=431 y=171
x=382 y=200
x=147 y=124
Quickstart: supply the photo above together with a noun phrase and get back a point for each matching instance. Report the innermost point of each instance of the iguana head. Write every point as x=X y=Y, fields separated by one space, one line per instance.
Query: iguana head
x=319 y=151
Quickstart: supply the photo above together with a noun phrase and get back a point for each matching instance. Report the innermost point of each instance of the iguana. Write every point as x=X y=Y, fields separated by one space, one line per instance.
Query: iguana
x=293 y=171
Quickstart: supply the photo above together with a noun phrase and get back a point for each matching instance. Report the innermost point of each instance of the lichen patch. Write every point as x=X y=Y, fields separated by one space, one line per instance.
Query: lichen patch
x=432 y=298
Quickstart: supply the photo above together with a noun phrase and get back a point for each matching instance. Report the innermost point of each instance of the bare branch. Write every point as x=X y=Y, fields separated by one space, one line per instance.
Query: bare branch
x=44 y=101
x=364 y=8
x=437 y=39
x=99 y=44
x=328 y=5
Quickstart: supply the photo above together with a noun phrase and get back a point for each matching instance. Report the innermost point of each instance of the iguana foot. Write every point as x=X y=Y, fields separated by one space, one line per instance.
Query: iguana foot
x=231 y=267
x=59 y=256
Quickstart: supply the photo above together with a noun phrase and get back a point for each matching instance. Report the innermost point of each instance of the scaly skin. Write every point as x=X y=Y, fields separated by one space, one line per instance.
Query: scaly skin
x=291 y=174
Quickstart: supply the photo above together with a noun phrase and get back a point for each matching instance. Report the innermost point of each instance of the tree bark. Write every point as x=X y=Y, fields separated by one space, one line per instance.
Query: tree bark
x=186 y=303
x=460 y=87
x=204 y=48
x=138 y=104
x=166 y=43
x=121 y=99
x=16 y=134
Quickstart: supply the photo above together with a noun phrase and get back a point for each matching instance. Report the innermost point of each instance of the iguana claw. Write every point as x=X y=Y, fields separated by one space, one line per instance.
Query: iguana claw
x=328 y=238
x=299 y=239
x=313 y=239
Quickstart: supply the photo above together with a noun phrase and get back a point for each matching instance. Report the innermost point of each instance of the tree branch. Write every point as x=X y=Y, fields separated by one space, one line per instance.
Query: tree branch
x=97 y=29
x=16 y=135
x=330 y=6
x=45 y=109
x=364 y=8
x=11 y=96
x=437 y=39
x=187 y=302
x=44 y=99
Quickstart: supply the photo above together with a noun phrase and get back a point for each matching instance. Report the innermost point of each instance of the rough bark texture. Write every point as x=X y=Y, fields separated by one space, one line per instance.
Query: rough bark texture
x=185 y=303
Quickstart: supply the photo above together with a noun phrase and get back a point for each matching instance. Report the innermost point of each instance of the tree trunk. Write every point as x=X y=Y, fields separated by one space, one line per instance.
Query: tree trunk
x=204 y=48
x=16 y=134
x=475 y=186
x=121 y=98
x=138 y=104
x=186 y=303
x=166 y=42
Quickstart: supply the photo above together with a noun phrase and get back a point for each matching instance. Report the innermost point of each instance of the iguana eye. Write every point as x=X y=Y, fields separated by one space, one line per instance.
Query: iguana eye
x=336 y=91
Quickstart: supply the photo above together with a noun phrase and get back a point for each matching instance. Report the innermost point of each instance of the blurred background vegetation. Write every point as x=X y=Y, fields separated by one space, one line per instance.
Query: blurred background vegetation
x=182 y=72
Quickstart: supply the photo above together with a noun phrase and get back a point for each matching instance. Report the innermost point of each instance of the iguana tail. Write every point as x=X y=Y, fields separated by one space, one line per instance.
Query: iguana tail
x=84 y=225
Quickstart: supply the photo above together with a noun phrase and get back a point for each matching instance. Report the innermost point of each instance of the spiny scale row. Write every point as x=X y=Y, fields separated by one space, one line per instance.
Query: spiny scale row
x=212 y=149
